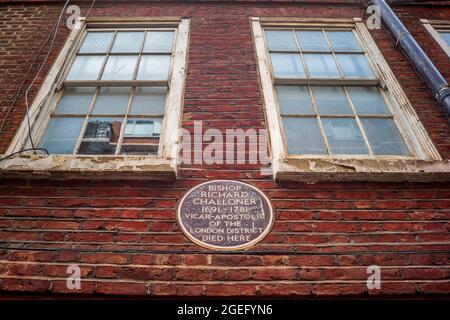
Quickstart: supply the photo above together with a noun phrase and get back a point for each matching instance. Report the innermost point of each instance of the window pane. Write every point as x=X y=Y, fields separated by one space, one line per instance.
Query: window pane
x=158 y=41
x=141 y=136
x=384 y=137
x=287 y=65
x=312 y=41
x=331 y=100
x=154 y=67
x=303 y=136
x=368 y=100
x=355 y=66
x=294 y=100
x=96 y=42
x=149 y=100
x=119 y=68
x=61 y=135
x=113 y=100
x=101 y=136
x=446 y=37
x=128 y=42
x=86 y=68
x=343 y=41
x=75 y=101
x=281 y=41
x=321 y=66
x=344 y=136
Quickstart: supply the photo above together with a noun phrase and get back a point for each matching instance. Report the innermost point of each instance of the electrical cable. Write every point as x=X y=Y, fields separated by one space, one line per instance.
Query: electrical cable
x=54 y=32
x=24 y=150
x=39 y=71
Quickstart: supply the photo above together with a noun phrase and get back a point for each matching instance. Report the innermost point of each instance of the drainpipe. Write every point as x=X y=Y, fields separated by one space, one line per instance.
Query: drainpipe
x=429 y=73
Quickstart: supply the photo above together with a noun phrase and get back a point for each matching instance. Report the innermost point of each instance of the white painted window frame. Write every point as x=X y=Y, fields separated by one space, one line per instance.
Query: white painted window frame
x=165 y=163
x=434 y=27
x=286 y=165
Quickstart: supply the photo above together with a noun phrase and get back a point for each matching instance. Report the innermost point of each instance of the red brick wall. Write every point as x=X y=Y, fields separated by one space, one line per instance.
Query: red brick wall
x=123 y=234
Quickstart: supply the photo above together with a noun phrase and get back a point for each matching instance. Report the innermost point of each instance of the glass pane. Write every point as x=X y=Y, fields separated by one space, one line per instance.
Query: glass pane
x=141 y=136
x=343 y=41
x=86 y=68
x=101 y=136
x=446 y=37
x=312 y=41
x=303 y=136
x=281 y=40
x=119 y=68
x=368 y=100
x=61 y=135
x=331 y=100
x=321 y=66
x=355 y=66
x=287 y=65
x=154 y=67
x=294 y=100
x=149 y=100
x=112 y=100
x=128 y=42
x=384 y=137
x=159 y=41
x=96 y=42
x=75 y=101
x=344 y=136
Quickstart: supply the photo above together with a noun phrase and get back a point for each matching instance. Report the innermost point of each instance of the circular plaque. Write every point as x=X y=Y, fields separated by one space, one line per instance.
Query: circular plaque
x=225 y=215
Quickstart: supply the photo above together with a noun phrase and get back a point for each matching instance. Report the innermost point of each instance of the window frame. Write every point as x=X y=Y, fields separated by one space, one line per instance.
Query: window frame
x=164 y=164
x=285 y=165
x=434 y=27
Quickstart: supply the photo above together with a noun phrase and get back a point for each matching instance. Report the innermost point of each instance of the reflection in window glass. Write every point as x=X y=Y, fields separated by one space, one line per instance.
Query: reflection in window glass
x=343 y=41
x=344 y=136
x=321 y=66
x=159 y=41
x=154 y=67
x=112 y=100
x=324 y=106
x=141 y=136
x=61 y=135
x=303 y=136
x=280 y=40
x=96 y=42
x=287 y=65
x=331 y=100
x=367 y=100
x=75 y=101
x=355 y=66
x=101 y=136
x=128 y=42
x=88 y=119
x=119 y=67
x=86 y=68
x=446 y=37
x=148 y=101
x=312 y=41
x=384 y=137
x=294 y=100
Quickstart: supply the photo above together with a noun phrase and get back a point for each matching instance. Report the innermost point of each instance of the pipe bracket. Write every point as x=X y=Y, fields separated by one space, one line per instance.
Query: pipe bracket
x=404 y=33
x=442 y=94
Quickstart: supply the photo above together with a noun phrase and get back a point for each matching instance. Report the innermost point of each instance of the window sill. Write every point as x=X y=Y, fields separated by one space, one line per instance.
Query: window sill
x=314 y=170
x=88 y=167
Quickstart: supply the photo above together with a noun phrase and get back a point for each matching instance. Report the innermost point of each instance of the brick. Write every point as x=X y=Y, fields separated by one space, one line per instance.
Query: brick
x=230 y=290
x=324 y=289
x=121 y=288
x=104 y=258
x=287 y=290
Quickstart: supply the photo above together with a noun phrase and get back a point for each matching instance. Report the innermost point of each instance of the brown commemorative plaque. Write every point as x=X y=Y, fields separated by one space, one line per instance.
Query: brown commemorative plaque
x=225 y=215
